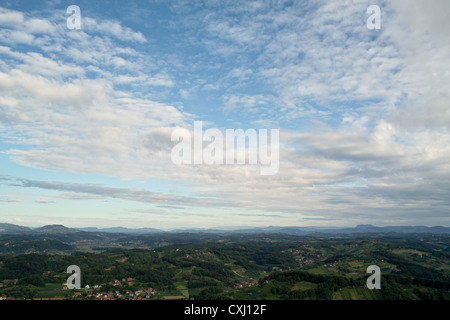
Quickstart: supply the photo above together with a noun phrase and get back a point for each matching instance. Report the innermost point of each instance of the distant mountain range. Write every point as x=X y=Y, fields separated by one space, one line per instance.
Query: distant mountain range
x=56 y=228
x=12 y=228
x=123 y=230
x=327 y=230
x=6 y=228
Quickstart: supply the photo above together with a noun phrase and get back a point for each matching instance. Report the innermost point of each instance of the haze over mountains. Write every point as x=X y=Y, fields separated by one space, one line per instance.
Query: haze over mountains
x=6 y=228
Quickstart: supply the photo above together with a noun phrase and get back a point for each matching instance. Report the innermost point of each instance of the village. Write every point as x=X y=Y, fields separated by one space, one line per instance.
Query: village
x=120 y=292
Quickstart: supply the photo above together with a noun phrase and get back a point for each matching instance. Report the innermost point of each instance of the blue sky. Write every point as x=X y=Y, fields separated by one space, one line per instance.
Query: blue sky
x=86 y=116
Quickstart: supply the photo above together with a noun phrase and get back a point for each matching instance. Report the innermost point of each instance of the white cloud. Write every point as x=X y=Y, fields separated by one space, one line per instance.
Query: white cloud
x=10 y=199
x=38 y=26
x=10 y=17
x=112 y=28
x=368 y=112
x=18 y=36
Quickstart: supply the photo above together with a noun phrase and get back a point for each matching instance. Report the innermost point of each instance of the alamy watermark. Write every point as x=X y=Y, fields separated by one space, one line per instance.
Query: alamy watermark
x=374 y=281
x=213 y=147
x=374 y=21
x=74 y=281
x=74 y=20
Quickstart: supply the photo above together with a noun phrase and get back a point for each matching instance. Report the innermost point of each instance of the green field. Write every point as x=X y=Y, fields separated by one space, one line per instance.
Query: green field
x=304 y=285
x=181 y=286
x=51 y=290
x=354 y=294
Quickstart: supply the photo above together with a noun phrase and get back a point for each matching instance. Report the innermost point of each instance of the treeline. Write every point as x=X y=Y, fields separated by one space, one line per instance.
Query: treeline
x=281 y=283
x=36 y=269
x=213 y=270
x=394 y=287
x=26 y=246
x=413 y=270
x=256 y=257
x=23 y=266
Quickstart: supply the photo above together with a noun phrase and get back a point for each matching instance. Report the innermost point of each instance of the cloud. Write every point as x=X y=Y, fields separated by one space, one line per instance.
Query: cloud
x=43 y=201
x=38 y=26
x=364 y=114
x=79 y=191
x=420 y=32
x=10 y=17
x=65 y=101
x=10 y=200
x=112 y=28
x=77 y=196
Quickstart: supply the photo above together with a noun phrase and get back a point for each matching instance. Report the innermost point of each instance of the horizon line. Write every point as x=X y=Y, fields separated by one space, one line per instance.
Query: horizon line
x=222 y=228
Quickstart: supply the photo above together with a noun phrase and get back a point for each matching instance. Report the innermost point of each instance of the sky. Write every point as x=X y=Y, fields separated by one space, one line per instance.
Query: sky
x=87 y=114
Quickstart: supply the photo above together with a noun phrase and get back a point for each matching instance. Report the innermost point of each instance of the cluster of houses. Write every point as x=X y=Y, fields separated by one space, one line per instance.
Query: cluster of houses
x=127 y=295
x=5 y=284
x=302 y=257
x=95 y=292
x=334 y=264
x=304 y=260
x=246 y=284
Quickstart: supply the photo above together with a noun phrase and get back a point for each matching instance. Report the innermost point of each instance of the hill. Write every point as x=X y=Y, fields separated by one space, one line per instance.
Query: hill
x=122 y=230
x=12 y=228
x=92 y=233
x=56 y=228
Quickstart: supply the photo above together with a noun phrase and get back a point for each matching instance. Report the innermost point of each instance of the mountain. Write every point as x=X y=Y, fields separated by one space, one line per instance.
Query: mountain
x=12 y=228
x=396 y=229
x=122 y=230
x=64 y=234
x=61 y=232
x=55 y=228
x=359 y=229
x=300 y=231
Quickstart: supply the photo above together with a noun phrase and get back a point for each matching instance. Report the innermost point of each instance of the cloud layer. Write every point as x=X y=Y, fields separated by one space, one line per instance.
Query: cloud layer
x=363 y=114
